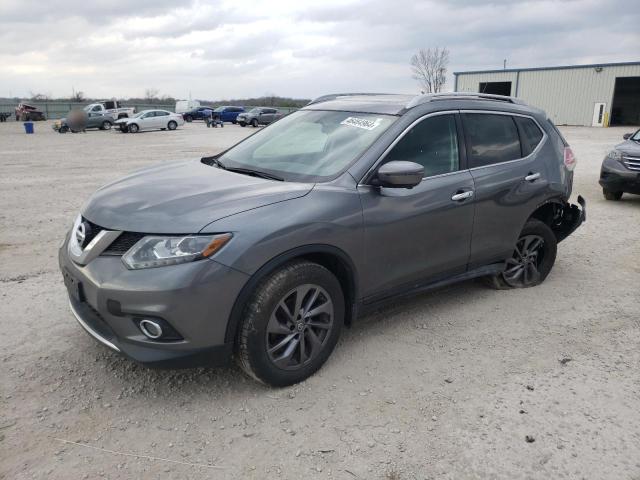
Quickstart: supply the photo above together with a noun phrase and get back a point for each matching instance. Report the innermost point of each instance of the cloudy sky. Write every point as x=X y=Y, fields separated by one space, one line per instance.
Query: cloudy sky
x=224 y=49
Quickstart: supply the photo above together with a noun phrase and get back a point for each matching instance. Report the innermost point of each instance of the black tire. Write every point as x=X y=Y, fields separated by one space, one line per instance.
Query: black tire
x=521 y=272
x=243 y=124
x=172 y=125
x=234 y=122
x=133 y=128
x=266 y=322
x=63 y=129
x=124 y=128
x=254 y=122
x=106 y=125
x=611 y=195
x=188 y=119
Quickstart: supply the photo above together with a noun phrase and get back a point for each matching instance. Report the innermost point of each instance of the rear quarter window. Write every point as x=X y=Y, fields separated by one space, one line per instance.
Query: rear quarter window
x=557 y=132
x=530 y=134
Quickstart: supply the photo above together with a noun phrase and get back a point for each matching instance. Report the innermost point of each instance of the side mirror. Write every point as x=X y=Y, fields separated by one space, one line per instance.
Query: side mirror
x=399 y=174
x=627 y=136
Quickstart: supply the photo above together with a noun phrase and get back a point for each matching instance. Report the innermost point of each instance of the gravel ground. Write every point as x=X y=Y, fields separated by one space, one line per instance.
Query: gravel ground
x=449 y=385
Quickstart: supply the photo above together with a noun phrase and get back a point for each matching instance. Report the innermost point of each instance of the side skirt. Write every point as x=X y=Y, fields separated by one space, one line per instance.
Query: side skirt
x=377 y=301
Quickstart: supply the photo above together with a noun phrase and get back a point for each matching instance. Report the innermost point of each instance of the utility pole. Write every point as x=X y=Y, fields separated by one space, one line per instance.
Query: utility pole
x=504 y=64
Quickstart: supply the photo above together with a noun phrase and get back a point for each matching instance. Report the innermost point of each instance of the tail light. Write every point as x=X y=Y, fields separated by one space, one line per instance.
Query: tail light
x=569 y=159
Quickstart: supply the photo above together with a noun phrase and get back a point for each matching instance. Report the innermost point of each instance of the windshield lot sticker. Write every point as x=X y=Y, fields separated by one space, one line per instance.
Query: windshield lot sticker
x=361 y=122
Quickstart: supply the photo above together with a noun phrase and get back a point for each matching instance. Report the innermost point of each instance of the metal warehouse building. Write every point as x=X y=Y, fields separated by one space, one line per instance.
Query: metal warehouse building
x=591 y=95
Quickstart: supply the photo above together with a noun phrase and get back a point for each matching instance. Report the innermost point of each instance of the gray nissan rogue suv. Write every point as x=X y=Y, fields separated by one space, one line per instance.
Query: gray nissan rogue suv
x=266 y=250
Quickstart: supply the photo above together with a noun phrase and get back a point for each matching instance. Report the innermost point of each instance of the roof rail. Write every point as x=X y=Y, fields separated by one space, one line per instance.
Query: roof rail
x=429 y=97
x=333 y=96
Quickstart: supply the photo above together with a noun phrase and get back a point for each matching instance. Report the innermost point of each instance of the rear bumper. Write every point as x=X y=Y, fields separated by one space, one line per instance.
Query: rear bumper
x=572 y=217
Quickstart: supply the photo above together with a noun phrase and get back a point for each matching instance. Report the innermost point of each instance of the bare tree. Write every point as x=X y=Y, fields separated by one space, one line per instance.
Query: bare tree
x=77 y=95
x=429 y=67
x=151 y=94
x=43 y=97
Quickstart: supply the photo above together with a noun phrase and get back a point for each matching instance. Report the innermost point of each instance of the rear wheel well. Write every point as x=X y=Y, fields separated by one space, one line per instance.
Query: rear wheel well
x=547 y=213
x=559 y=216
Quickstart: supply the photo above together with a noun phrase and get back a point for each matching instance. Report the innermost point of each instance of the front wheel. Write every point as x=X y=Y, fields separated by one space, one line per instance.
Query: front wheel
x=134 y=128
x=291 y=324
x=532 y=259
x=172 y=125
x=243 y=124
x=188 y=119
x=254 y=122
x=611 y=195
x=106 y=125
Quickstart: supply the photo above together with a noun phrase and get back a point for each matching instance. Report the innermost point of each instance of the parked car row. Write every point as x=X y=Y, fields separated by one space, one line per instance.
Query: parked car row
x=78 y=121
x=224 y=113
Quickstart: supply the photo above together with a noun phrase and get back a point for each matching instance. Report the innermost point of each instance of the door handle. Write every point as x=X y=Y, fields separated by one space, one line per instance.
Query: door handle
x=457 y=197
x=532 y=177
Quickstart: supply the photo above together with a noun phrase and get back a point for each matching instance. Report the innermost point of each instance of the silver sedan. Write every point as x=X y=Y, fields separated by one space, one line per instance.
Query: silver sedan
x=150 y=120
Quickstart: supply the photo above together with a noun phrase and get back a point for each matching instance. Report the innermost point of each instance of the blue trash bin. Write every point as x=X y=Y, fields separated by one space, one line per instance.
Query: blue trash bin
x=28 y=127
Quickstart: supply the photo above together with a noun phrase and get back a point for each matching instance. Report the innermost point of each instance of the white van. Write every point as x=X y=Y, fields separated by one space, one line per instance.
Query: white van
x=186 y=105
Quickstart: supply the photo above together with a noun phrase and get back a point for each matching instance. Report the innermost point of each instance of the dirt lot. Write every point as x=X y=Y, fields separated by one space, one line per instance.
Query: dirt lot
x=446 y=385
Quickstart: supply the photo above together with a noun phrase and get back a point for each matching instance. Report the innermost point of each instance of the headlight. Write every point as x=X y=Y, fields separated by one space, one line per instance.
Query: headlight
x=615 y=155
x=159 y=251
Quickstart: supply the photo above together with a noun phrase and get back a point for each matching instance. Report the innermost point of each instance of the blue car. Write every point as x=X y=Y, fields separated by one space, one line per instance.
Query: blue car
x=228 y=113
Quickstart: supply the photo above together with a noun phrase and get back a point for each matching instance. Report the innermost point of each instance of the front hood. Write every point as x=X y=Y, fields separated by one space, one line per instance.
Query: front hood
x=629 y=146
x=182 y=197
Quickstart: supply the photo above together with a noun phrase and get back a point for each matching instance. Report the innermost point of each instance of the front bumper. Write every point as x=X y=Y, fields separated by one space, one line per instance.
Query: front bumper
x=617 y=178
x=194 y=299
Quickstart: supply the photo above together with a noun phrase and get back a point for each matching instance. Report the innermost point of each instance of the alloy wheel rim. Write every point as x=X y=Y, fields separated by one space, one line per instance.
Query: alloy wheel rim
x=299 y=327
x=523 y=268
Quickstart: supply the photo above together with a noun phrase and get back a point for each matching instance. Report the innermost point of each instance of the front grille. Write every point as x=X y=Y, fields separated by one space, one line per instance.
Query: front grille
x=91 y=234
x=123 y=243
x=632 y=163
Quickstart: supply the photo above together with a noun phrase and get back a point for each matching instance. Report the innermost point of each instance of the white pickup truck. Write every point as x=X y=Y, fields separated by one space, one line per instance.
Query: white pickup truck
x=111 y=108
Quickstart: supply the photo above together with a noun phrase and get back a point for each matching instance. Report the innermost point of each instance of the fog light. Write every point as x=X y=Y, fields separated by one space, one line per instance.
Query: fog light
x=150 y=328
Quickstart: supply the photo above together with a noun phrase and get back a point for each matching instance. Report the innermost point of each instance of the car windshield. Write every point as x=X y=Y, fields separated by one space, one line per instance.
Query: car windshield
x=219 y=109
x=308 y=145
x=636 y=136
x=255 y=110
x=139 y=114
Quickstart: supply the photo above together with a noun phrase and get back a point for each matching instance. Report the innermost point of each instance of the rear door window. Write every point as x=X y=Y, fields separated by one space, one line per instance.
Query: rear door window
x=530 y=134
x=491 y=138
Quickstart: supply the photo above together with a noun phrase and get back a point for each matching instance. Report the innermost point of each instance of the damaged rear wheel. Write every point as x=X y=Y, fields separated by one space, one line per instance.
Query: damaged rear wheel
x=532 y=258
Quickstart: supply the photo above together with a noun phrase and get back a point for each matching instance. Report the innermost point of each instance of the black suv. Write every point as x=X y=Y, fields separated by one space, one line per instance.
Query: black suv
x=266 y=250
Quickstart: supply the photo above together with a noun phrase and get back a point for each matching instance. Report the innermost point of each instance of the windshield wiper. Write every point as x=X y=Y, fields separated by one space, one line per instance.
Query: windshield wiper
x=218 y=163
x=254 y=173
